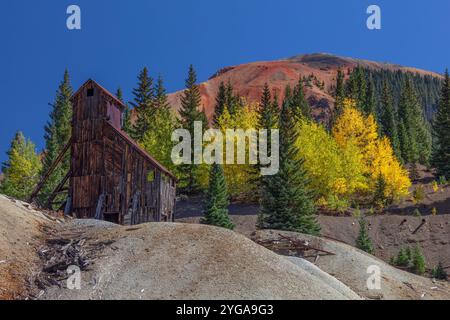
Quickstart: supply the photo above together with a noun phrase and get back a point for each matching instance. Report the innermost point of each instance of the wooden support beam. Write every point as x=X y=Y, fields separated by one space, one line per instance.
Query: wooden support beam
x=49 y=172
x=57 y=190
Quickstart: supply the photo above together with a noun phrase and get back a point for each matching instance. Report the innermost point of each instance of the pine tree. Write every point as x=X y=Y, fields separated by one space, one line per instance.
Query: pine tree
x=143 y=104
x=299 y=105
x=380 y=198
x=415 y=138
x=363 y=241
x=441 y=132
x=370 y=98
x=388 y=119
x=418 y=261
x=160 y=101
x=58 y=131
x=439 y=272
x=21 y=170
x=339 y=95
x=189 y=114
x=126 y=122
x=221 y=101
x=216 y=206
x=287 y=203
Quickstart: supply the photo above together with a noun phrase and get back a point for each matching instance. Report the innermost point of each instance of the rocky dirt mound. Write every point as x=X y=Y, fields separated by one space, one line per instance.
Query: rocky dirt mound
x=21 y=234
x=181 y=261
x=350 y=266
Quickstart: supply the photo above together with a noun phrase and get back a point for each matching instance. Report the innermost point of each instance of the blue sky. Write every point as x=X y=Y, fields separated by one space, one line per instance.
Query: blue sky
x=118 y=38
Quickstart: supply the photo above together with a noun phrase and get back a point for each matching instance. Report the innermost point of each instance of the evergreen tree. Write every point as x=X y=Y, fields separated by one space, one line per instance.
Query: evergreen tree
x=21 y=170
x=287 y=203
x=58 y=131
x=441 y=132
x=418 y=261
x=221 y=101
x=439 y=272
x=216 y=206
x=370 y=98
x=160 y=101
x=380 y=198
x=388 y=119
x=126 y=122
x=339 y=95
x=189 y=114
x=299 y=105
x=363 y=241
x=143 y=104
x=415 y=137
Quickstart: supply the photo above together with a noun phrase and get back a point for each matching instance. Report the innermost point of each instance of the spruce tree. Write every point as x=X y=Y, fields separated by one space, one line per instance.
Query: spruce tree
x=415 y=136
x=287 y=203
x=441 y=132
x=418 y=261
x=189 y=114
x=143 y=104
x=363 y=241
x=58 y=131
x=339 y=95
x=21 y=170
x=221 y=101
x=299 y=105
x=388 y=118
x=161 y=100
x=216 y=205
x=370 y=98
x=126 y=122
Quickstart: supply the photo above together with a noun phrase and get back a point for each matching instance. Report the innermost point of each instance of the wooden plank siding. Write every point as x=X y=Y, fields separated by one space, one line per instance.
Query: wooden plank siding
x=105 y=161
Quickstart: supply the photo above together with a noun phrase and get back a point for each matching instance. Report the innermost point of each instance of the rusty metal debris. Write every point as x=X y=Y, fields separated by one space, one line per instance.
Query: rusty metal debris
x=293 y=247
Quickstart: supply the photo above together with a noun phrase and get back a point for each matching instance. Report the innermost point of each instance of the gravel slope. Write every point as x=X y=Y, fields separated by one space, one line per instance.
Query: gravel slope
x=182 y=261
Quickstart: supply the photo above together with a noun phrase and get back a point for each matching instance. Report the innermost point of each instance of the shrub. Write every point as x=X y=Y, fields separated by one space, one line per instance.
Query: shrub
x=434 y=211
x=363 y=241
x=439 y=273
x=435 y=186
x=419 y=194
x=417 y=213
x=442 y=180
x=418 y=261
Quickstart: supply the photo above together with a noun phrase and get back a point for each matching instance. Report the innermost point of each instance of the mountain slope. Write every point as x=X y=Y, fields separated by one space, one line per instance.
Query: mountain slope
x=249 y=79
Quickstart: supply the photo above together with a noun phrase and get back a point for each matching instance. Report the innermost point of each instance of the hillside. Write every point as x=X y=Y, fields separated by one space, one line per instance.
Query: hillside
x=248 y=79
x=181 y=261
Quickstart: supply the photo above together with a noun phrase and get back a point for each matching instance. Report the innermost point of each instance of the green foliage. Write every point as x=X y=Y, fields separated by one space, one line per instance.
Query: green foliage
x=441 y=132
x=143 y=104
x=442 y=181
x=21 y=170
x=287 y=203
x=363 y=241
x=418 y=261
x=157 y=139
x=298 y=104
x=419 y=194
x=189 y=114
x=127 y=127
x=415 y=136
x=403 y=259
x=380 y=199
x=439 y=272
x=58 y=131
x=226 y=99
x=339 y=95
x=388 y=118
x=216 y=206
x=417 y=213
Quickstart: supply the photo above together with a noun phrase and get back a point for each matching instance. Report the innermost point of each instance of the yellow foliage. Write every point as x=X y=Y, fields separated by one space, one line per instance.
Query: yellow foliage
x=333 y=171
x=240 y=177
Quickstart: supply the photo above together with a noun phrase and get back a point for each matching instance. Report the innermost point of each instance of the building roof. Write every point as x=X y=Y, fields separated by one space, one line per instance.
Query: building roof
x=106 y=92
x=144 y=153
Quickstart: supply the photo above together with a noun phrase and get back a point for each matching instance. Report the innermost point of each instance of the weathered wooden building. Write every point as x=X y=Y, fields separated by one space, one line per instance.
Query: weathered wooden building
x=111 y=177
